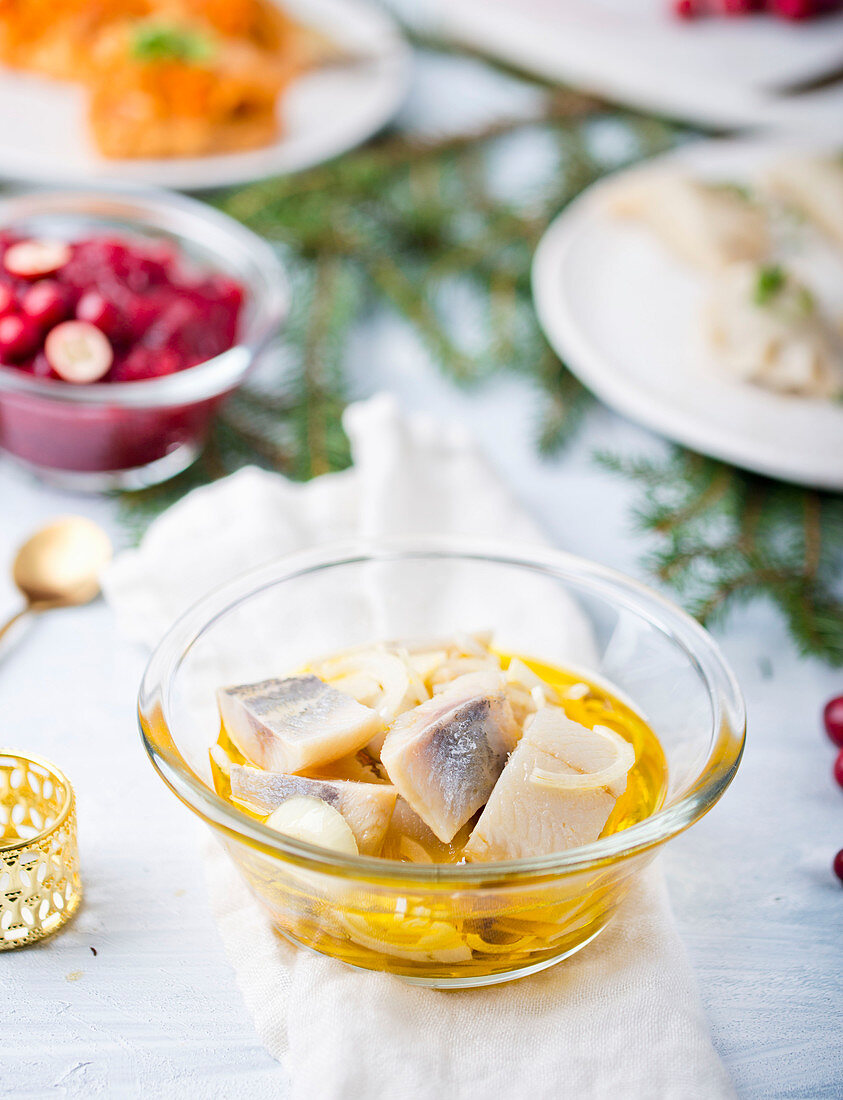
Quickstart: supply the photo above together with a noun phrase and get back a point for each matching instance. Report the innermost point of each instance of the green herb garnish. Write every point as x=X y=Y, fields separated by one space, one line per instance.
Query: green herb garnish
x=770 y=281
x=168 y=42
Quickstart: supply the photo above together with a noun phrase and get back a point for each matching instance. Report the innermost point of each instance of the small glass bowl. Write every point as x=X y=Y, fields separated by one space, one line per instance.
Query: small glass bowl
x=127 y=435
x=455 y=925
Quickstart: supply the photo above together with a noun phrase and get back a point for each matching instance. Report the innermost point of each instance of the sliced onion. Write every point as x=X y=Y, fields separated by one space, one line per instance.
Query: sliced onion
x=315 y=822
x=412 y=850
x=579 y=781
x=520 y=673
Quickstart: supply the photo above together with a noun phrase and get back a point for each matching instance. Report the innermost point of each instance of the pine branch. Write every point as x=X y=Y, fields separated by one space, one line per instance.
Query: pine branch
x=728 y=536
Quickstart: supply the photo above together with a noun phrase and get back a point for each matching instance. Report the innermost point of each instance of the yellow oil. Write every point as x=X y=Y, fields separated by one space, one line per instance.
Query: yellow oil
x=438 y=933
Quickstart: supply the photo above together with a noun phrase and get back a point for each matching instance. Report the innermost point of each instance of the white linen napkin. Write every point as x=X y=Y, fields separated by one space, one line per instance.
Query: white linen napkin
x=622 y=1018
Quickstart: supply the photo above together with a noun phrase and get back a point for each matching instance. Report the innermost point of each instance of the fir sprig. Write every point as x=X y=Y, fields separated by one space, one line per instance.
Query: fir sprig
x=725 y=536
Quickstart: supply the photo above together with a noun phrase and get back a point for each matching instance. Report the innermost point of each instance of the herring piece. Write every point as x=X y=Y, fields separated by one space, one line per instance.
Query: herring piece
x=765 y=327
x=367 y=807
x=293 y=724
x=446 y=755
x=814 y=187
x=705 y=224
x=528 y=815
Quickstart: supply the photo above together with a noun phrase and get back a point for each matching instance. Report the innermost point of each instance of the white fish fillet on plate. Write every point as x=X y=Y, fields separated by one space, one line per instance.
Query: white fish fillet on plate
x=526 y=817
x=367 y=807
x=705 y=224
x=297 y=723
x=814 y=187
x=446 y=755
x=778 y=339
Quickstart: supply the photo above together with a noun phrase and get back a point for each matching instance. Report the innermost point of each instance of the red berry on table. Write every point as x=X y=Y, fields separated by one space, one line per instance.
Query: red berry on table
x=796 y=9
x=688 y=9
x=740 y=7
x=33 y=259
x=46 y=302
x=78 y=352
x=19 y=336
x=838 y=769
x=833 y=720
x=838 y=865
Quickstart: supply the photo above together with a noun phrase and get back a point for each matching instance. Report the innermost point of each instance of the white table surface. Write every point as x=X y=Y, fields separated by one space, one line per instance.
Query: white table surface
x=156 y=1011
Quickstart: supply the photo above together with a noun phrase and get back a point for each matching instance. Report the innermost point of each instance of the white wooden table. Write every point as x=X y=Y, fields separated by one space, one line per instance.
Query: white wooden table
x=155 y=1011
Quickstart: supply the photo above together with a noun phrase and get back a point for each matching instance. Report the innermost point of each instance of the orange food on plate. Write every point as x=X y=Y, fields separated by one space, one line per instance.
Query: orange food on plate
x=167 y=78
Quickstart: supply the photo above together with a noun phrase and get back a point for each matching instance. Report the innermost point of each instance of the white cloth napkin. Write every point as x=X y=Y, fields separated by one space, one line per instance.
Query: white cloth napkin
x=622 y=1018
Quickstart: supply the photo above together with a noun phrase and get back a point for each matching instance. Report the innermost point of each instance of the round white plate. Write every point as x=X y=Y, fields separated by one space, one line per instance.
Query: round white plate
x=715 y=72
x=624 y=315
x=44 y=135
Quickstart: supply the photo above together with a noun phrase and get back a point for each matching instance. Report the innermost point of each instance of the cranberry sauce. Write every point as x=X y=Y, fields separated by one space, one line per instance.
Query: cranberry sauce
x=155 y=317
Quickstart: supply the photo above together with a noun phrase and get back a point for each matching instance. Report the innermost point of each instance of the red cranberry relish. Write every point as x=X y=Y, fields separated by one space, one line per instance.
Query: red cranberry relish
x=109 y=310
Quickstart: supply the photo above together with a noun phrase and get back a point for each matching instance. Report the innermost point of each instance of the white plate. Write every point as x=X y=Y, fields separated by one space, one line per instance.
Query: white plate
x=716 y=71
x=624 y=316
x=44 y=135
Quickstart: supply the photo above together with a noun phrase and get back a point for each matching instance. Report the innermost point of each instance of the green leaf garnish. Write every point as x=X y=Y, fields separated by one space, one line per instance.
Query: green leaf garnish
x=770 y=281
x=169 y=42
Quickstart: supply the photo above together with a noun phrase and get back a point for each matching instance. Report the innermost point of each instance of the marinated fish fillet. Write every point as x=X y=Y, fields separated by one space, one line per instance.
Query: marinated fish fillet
x=814 y=186
x=705 y=224
x=446 y=755
x=765 y=327
x=367 y=807
x=293 y=724
x=527 y=815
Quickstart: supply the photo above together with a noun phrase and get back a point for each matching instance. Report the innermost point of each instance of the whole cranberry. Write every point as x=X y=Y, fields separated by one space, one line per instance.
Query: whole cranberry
x=41 y=367
x=794 y=9
x=837 y=770
x=833 y=720
x=838 y=865
x=19 y=336
x=142 y=364
x=46 y=302
x=688 y=9
x=7 y=299
x=98 y=310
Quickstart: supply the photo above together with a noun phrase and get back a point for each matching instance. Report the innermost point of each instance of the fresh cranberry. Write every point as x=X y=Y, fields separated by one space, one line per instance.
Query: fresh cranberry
x=838 y=865
x=40 y=367
x=46 y=302
x=19 y=336
x=78 y=352
x=140 y=313
x=794 y=9
x=96 y=309
x=833 y=720
x=837 y=770
x=33 y=259
x=688 y=9
x=7 y=299
x=142 y=364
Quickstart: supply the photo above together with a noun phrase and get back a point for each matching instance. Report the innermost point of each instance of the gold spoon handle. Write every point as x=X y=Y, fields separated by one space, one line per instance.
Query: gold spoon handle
x=29 y=609
x=15 y=618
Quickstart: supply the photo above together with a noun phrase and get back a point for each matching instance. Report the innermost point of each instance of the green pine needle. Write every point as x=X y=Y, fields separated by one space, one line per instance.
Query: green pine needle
x=726 y=537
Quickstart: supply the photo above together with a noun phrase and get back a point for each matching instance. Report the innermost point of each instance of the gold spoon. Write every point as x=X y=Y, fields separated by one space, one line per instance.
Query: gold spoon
x=60 y=566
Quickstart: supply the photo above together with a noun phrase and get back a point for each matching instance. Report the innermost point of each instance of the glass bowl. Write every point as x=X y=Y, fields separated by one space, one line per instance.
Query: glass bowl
x=132 y=434
x=454 y=925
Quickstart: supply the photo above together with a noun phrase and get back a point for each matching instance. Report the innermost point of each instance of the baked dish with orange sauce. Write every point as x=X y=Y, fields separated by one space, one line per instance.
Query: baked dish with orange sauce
x=167 y=78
